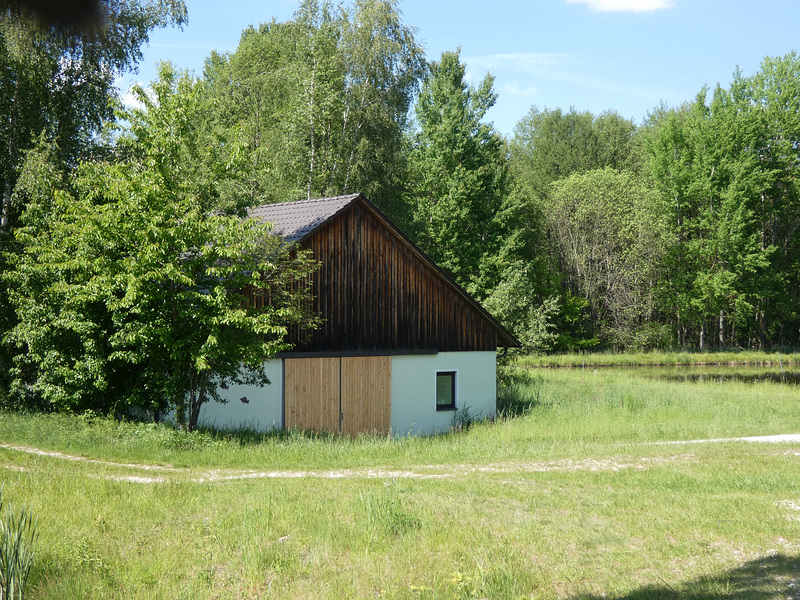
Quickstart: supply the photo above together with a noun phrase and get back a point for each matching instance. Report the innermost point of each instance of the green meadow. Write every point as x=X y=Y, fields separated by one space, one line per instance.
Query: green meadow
x=592 y=486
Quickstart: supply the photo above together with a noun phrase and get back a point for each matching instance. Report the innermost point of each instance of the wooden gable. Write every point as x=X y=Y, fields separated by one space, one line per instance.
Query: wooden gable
x=377 y=291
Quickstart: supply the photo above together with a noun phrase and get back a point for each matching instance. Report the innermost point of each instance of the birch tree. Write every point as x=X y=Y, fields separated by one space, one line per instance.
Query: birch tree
x=611 y=237
x=323 y=100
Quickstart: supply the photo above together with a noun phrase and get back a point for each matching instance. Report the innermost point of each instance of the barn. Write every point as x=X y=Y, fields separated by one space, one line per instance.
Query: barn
x=403 y=349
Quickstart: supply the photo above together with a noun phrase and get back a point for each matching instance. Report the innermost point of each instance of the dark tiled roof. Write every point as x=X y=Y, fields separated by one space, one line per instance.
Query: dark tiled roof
x=295 y=220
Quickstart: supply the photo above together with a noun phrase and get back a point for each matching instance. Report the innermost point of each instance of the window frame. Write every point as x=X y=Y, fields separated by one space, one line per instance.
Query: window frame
x=452 y=406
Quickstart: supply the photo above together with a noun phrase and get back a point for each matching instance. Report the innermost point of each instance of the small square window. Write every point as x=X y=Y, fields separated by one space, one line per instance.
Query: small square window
x=446 y=390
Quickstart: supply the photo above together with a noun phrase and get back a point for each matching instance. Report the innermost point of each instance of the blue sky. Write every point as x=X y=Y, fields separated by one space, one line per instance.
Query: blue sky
x=595 y=55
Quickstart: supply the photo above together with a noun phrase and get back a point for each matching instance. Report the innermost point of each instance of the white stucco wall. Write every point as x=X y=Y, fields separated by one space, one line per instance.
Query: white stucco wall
x=413 y=403
x=414 y=390
x=263 y=412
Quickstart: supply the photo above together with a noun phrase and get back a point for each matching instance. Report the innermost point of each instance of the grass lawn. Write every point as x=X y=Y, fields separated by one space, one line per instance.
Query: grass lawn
x=578 y=498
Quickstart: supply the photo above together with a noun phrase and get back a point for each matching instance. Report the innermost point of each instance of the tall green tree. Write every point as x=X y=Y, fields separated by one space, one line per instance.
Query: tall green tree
x=134 y=291
x=249 y=92
x=320 y=104
x=549 y=145
x=459 y=177
x=774 y=95
x=384 y=67
x=56 y=93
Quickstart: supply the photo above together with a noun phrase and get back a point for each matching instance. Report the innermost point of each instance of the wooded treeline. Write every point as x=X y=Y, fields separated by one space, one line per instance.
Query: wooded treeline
x=579 y=231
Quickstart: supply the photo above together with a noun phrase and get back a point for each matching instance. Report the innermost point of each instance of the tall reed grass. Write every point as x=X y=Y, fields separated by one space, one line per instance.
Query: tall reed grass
x=17 y=536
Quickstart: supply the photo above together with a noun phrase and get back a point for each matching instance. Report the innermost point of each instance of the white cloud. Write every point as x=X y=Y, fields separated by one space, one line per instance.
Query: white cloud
x=514 y=89
x=625 y=5
x=129 y=99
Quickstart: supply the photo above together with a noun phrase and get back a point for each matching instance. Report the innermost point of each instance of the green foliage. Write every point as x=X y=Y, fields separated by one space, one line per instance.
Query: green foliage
x=575 y=331
x=41 y=177
x=726 y=167
x=171 y=134
x=610 y=237
x=459 y=177
x=17 y=537
x=57 y=92
x=131 y=292
x=58 y=81
x=318 y=105
x=681 y=232
x=515 y=304
x=549 y=145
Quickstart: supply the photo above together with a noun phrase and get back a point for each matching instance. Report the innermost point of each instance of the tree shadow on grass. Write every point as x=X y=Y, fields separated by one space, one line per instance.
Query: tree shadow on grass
x=246 y=436
x=769 y=577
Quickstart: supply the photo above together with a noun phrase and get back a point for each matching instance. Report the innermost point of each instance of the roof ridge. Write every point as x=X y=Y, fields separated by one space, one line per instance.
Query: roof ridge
x=296 y=219
x=310 y=200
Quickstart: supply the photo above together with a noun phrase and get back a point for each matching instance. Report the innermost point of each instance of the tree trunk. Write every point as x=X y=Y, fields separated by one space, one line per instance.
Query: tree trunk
x=5 y=216
x=312 y=158
x=197 y=397
x=194 y=414
x=702 y=336
x=721 y=329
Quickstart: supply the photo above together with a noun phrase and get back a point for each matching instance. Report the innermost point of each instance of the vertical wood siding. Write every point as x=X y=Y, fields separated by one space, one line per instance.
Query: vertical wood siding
x=311 y=393
x=366 y=394
x=377 y=294
x=317 y=391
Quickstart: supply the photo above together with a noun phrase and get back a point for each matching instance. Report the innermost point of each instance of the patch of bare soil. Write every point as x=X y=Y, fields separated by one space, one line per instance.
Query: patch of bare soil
x=454 y=471
x=64 y=456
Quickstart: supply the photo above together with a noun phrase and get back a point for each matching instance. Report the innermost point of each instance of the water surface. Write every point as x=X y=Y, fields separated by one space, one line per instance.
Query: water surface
x=789 y=375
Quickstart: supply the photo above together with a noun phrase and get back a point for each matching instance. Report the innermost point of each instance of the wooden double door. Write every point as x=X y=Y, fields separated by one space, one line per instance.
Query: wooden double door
x=341 y=394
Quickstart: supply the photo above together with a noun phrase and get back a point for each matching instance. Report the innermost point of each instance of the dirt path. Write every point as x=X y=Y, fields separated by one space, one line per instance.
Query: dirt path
x=164 y=473
x=770 y=439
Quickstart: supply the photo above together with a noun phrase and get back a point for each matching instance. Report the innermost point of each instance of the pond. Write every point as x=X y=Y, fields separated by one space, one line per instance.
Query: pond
x=789 y=375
